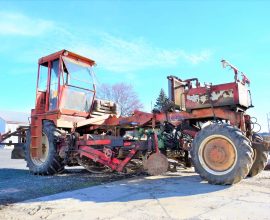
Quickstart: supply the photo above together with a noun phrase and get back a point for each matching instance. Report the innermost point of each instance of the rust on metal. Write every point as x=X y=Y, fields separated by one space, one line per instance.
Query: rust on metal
x=156 y=164
x=219 y=154
x=91 y=132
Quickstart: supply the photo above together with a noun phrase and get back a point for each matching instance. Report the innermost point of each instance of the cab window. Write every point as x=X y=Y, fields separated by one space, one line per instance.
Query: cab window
x=43 y=77
x=54 y=85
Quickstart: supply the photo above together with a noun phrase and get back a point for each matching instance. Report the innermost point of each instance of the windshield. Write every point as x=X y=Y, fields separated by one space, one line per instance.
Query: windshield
x=79 y=90
x=78 y=74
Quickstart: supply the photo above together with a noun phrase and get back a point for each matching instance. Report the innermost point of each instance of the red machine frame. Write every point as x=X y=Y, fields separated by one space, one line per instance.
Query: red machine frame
x=228 y=106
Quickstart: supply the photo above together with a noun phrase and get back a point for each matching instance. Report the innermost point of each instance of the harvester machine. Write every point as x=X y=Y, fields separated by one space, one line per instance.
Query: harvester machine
x=206 y=126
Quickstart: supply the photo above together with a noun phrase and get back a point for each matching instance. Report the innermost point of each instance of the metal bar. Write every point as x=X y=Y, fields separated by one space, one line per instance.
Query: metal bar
x=98 y=156
x=127 y=159
x=58 y=88
x=80 y=88
x=95 y=142
x=156 y=143
x=14 y=144
x=9 y=134
x=48 y=87
x=37 y=84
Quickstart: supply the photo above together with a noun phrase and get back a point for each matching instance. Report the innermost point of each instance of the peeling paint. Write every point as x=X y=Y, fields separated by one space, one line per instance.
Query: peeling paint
x=193 y=98
x=203 y=98
x=221 y=96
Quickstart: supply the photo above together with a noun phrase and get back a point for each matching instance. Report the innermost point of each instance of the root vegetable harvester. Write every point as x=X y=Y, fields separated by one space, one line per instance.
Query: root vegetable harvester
x=208 y=126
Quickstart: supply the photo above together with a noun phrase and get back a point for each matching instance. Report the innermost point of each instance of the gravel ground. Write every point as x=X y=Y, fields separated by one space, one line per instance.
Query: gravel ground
x=17 y=184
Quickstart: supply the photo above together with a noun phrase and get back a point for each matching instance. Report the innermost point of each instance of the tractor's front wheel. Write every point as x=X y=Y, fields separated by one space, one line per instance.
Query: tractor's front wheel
x=221 y=154
x=48 y=161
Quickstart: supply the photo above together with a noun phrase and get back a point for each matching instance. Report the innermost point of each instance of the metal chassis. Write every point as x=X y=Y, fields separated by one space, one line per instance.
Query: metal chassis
x=20 y=133
x=85 y=149
x=146 y=120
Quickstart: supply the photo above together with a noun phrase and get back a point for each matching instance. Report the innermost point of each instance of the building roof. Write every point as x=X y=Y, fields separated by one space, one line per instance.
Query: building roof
x=14 y=117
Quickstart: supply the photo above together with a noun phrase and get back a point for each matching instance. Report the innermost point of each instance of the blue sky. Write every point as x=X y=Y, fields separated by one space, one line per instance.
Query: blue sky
x=139 y=42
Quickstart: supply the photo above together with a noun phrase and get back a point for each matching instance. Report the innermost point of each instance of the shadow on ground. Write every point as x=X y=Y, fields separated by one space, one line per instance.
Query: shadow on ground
x=171 y=185
x=17 y=185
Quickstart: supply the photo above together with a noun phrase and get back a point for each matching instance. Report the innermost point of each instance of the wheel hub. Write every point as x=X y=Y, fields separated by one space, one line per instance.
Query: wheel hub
x=43 y=152
x=218 y=154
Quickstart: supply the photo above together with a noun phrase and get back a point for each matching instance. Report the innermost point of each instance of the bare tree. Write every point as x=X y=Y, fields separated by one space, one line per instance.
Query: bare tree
x=123 y=94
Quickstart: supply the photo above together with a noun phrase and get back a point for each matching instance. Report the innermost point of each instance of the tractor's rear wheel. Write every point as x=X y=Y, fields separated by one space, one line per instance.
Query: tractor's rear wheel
x=221 y=154
x=48 y=161
x=259 y=158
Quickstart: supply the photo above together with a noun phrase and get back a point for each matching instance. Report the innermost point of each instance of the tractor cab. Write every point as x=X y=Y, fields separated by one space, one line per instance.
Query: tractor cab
x=65 y=84
x=65 y=96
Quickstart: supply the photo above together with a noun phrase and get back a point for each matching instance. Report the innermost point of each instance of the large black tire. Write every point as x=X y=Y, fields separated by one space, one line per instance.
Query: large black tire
x=221 y=154
x=260 y=158
x=51 y=163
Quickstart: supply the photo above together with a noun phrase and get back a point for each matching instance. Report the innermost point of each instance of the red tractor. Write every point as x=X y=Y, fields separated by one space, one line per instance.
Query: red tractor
x=206 y=125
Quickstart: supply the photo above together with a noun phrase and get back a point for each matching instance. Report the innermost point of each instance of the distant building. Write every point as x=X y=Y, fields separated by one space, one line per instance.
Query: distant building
x=10 y=121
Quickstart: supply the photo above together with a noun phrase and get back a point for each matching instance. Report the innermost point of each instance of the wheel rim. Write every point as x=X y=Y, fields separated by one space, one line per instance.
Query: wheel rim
x=43 y=151
x=217 y=154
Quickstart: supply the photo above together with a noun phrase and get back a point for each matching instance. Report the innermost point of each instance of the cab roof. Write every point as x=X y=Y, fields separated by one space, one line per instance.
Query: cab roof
x=65 y=53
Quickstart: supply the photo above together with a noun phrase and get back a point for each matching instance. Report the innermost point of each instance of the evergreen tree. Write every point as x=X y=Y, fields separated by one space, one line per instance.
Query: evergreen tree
x=163 y=104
